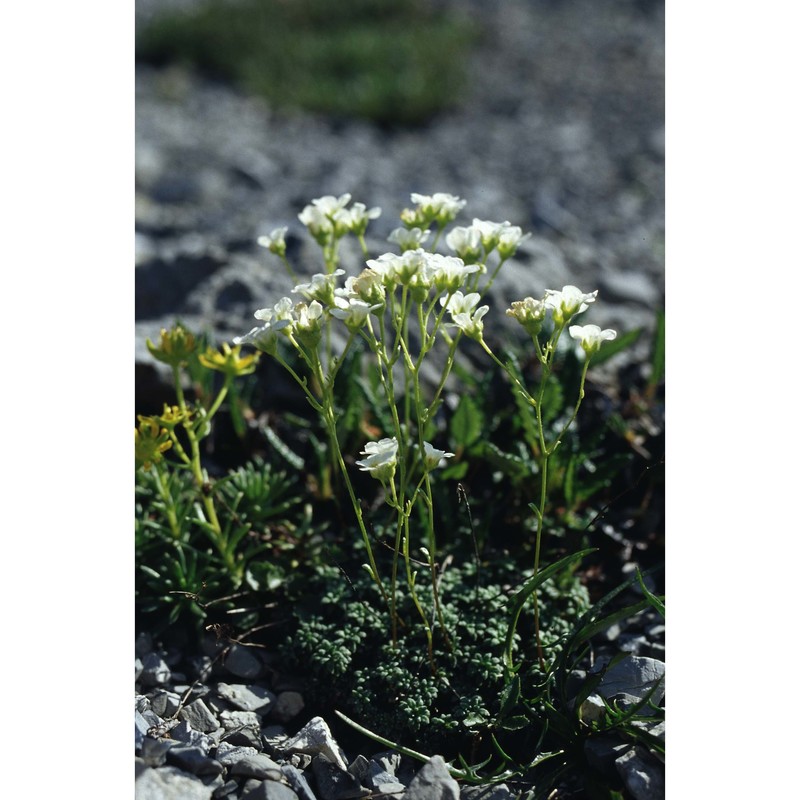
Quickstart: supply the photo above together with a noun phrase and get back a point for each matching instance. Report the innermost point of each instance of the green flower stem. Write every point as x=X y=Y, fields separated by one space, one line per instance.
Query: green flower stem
x=489 y=283
x=200 y=476
x=329 y=417
x=395 y=561
x=411 y=578
x=437 y=604
x=289 y=267
x=169 y=501
x=223 y=392
x=428 y=495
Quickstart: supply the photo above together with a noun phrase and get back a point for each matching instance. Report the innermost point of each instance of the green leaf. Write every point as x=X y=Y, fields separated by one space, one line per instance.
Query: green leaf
x=516 y=723
x=282 y=448
x=656 y=602
x=658 y=354
x=521 y=597
x=509 y=697
x=622 y=342
x=467 y=422
x=510 y=464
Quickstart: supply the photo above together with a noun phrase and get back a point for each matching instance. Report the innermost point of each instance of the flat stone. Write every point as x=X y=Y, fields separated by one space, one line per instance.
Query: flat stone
x=497 y=791
x=247 y=698
x=269 y=790
x=642 y=775
x=335 y=783
x=603 y=751
x=169 y=783
x=288 y=705
x=433 y=782
x=635 y=676
x=194 y=759
x=233 y=720
x=298 y=782
x=316 y=737
x=243 y=662
x=155 y=672
x=228 y=754
x=165 y=703
x=197 y=714
x=257 y=766
x=154 y=751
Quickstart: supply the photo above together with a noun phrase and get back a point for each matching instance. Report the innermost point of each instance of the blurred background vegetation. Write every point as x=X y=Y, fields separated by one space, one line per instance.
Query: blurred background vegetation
x=393 y=62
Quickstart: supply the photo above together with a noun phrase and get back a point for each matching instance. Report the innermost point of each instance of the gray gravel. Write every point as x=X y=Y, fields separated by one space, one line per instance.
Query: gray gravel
x=560 y=131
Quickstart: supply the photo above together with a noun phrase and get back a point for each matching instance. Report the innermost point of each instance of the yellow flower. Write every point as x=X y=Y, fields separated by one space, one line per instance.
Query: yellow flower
x=175 y=347
x=172 y=416
x=229 y=360
x=151 y=441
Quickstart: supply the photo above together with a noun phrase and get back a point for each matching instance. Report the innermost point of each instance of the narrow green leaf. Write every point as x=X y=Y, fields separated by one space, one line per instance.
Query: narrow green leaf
x=467 y=422
x=656 y=602
x=658 y=354
x=282 y=448
x=622 y=342
x=521 y=597
x=509 y=697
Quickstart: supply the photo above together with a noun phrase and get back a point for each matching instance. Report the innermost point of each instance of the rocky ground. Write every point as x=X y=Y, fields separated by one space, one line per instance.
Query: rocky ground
x=560 y=131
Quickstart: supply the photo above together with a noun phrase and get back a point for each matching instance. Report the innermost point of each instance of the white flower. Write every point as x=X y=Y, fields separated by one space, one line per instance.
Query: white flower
x=264 y=337
x=318 y=224
x=407 y=239
x=320 y=288
x=529 y=313
x=568 y=302
x=395 y=268
x=439 y=207
x=282 y=310
x=275 y=242
x=463 y=313
x=386 y=266
x=308 y=316
x=465 y=243
x=355 y=219
x=449 y=272
x=381 y=459
x=591 y=337
x=329 y=204
x=434 y=458
x=353 y=311
x=510 y=238
x=490 y=232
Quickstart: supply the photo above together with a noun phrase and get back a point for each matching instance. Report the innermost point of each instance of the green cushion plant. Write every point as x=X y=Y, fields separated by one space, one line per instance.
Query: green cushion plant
x=442 y=607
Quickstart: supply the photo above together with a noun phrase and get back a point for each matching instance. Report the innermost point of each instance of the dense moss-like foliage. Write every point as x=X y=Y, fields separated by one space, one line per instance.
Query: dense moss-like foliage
x=343 y=641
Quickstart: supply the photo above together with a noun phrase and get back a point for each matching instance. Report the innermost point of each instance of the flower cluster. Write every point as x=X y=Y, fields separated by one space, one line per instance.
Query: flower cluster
x=328 y=217
x=564 y=305
x=441 y=208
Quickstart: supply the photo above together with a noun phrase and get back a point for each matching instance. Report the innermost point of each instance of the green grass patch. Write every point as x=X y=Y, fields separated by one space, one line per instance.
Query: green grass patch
x=395 y=63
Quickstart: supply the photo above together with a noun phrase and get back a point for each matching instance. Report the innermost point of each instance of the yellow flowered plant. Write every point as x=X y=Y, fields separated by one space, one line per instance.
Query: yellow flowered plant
x=229 y=360
x=175 y=346
x=151 y=441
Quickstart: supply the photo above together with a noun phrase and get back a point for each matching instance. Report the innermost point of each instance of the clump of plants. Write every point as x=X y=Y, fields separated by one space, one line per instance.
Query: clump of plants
x=447 y=618
x=392 y=63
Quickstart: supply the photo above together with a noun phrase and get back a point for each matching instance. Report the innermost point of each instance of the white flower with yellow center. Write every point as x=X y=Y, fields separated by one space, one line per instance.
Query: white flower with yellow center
x=591 y=337
x=434 y=458
x=275 y=242
x=380 y=459
x=568 y=302
x=463 y=313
